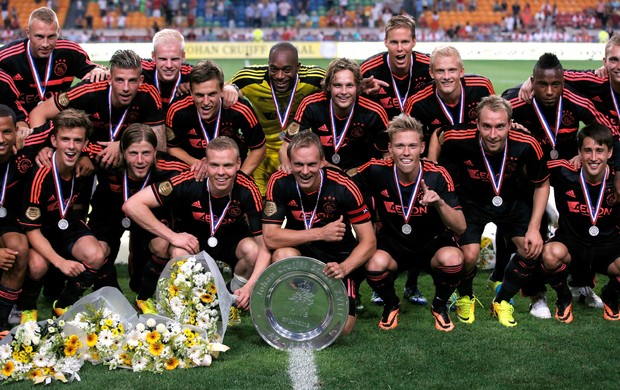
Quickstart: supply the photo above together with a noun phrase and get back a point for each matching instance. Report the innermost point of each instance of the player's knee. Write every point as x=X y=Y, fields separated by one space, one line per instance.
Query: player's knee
x=159 y=247
x=283 y=253
x=247 y=252
x=349 y=325
x=449 y=257
x=37 y=265
x=379 y=262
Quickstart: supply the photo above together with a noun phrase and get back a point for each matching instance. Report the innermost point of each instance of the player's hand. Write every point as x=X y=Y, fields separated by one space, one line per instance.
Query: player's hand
x=21 y=134
x=186 y=242
x=230 y=95
x=533 y=243
x=110 y=156
x=520 y=127
x=243 y=297
x=200 y=169
x=97 y=74
x=601 y=72
x=575 y=161
x=85 y=167
x=333 y=231
x=7 y=258
x=71 y=268
x=286 y=167
x=526 y=93
x=183 y=89
x=371 y=86
x=429 y=196
x=44 y=157
x=334 y=270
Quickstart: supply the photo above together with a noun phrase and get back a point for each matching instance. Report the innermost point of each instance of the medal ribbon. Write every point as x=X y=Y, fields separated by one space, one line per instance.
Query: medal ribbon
x=446 y=110
x=551 y=133
x=174 y=90
x=4 y=183
x=401 y=101
x=114 y=130
x=287 y=112
x=338 y=140
x=308 y=223
x=215 y=226
x=62 y=207
x=614 y=100
x=217 y=124
x=126 y=185
x=497 y=185
x=414 y=194
x=35 y=73
x=584 y=187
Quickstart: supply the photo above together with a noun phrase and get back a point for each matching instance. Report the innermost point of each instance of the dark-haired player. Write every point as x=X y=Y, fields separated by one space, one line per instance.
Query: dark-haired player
x=588 y=232
x=488 y=161
x=419 y=214
x=321 y=206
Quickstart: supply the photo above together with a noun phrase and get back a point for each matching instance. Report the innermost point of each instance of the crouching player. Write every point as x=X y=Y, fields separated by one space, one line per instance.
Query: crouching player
x=588 y=236
x=419 y=211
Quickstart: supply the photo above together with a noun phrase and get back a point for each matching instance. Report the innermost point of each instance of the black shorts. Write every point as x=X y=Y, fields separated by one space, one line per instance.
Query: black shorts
x=9 y=224
x=512 y=221
x=588 y=259
x=63 y=241
x=414 y=256
x=226 y=246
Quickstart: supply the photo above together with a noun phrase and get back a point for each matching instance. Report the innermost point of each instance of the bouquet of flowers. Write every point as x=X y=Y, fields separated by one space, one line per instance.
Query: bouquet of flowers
x=191 y=291
x=41 y=352
x=104 y=331
x=162 y=345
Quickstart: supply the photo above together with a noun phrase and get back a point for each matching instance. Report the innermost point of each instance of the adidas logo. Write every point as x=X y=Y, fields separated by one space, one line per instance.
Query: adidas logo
x=96 y=115
x=18 y=77
x=385 y=193
x=469 y=163
x=571 y=193
x=196 y=204
x=382 y=91
x=596 y=98
x=323 y=128
x=192 y=132
x=436 y=122
x=292 y=203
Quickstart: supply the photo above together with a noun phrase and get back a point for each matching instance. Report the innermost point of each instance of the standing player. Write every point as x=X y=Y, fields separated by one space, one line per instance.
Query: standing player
x=450 y=99
x=351 y=127
x=399 y=72
x=193 y=121
x=419 y=214
x=487 y=160
x=53 y=222
x=588 y=231
x=112 y=105
x=321 y=206
x=275 y=92
x=221 y=209
x=13 y=241
x=42 y=65
x=9 y=96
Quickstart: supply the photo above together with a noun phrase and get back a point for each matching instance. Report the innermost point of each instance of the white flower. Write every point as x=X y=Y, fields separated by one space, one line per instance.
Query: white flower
x=106 y=338
x=140 y=327
x=206 y=360
x=197 y=268
x=151 y=322
x=5 y=352
x=133 y=338
x=140 y=364
x=31 y=327
x=161 y=328
x=39 y=360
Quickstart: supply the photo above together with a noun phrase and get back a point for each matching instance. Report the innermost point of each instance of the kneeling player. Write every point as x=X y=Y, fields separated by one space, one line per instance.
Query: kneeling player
x=588 y=237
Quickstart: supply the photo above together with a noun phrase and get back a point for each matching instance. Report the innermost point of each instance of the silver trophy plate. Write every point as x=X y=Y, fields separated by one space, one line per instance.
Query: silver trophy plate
x=295 y=305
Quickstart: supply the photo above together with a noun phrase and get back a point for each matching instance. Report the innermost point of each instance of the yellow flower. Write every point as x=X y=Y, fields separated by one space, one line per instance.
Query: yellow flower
x=91 y=339
x=153 y=337
x=34 y=374
x=28 y=349
x=70 y=350
x=72 y=340
x=211 y=288
x=109 y=322
x=207 y=297
x=8 y=368
x=174 y=290
x=105 y=327
x=156 y=349
x=121 y=328
x=172 y=363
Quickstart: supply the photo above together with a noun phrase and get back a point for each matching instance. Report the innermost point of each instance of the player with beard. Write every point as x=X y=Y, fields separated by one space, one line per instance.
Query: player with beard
x=321 y=206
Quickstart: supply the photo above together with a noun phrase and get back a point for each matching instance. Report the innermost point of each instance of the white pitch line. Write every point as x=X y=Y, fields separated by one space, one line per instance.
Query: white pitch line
x=302 y=370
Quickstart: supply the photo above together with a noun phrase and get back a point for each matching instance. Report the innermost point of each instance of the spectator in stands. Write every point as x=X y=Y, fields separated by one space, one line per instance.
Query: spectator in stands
x=460 y=5
x=284 y=10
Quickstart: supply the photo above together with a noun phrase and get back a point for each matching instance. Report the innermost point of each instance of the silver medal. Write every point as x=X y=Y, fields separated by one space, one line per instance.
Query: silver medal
x=593 y=231
x=406 y=229
x=2 y=212
x=497 y=201
x=336 y=158
x=126 y=222
x=282 y=135
x=63 y=224
x=554 y=154
x=212 y=242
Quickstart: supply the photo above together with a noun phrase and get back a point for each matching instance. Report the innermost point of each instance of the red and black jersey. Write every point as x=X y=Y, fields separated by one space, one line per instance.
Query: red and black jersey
x=92 y=98
x=462 y=156
x=596 y=89
x=245 y=206
x=107 y=200
x=575 y=108
x=425 y=105
x=165 y=88
x=40 y=205
x=365 y=137
x=69 y=61
x=571 y=204
x=376 y=178
x=9 y=96
x=339 y=196
x=377 y=66
x=238 y=122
